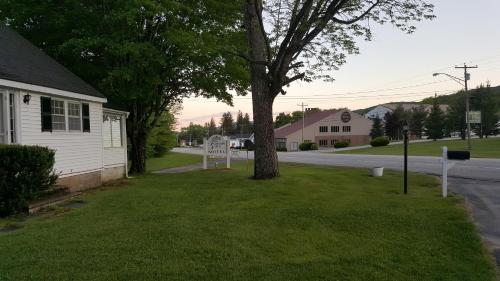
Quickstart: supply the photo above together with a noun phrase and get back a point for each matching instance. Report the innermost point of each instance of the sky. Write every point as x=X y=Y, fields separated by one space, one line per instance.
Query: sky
x=394 y=66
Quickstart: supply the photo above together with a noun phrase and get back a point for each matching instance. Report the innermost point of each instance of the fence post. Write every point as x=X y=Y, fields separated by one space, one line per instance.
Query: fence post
x=445 y=171
x=228 y=154
x=205 y=153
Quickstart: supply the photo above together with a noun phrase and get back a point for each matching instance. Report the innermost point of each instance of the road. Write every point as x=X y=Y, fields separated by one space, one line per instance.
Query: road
x=478 y=180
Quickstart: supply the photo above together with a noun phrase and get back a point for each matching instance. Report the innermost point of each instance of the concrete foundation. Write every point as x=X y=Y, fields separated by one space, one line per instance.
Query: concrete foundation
x=92 y=179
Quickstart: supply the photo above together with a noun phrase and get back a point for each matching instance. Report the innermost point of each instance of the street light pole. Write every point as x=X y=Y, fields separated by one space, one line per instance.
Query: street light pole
x=405 y=131
x=467 y=106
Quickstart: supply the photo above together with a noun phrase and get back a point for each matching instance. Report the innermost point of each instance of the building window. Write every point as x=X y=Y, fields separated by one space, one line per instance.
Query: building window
x=323 y=129
x=12 y=119
x=58 y=116
x=335 y=129
x=332 y=142
x=111 y=131
x=307 y=141
x=74 y=117
x=323 y=142
x=346 y=129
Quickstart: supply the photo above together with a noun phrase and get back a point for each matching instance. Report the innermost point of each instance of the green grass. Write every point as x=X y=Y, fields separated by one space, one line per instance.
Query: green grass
x=312 y=223
x=172 y=160
x=481 y=148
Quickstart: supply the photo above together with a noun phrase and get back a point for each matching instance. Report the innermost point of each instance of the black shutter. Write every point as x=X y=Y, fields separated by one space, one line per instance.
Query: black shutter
x=86 y=117
x=46 y=109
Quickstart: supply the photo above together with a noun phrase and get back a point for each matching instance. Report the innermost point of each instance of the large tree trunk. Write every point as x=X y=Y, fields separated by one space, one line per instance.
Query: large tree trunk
x=266 y=159
x=138 y=139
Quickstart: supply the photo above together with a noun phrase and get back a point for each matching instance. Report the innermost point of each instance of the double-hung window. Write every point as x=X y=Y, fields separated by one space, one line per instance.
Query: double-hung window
x=58 y=115
x=74 y=116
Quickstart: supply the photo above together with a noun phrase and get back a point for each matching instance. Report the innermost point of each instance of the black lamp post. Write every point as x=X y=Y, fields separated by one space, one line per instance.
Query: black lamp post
x=405 y=131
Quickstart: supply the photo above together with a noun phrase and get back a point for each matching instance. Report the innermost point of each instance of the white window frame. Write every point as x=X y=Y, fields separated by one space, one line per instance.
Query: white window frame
x=65 y=114
x=74 y=116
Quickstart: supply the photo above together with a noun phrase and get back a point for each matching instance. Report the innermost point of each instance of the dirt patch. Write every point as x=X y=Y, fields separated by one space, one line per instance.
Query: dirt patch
x=10 y=227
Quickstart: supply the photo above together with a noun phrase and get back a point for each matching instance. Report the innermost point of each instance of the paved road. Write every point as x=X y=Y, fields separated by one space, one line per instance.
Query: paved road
x=478 y=180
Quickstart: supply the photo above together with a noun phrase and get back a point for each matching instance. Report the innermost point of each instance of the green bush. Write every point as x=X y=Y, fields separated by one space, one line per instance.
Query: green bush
x=341 y=144
x=379 y=141
x=25 y=173
x=308 y=146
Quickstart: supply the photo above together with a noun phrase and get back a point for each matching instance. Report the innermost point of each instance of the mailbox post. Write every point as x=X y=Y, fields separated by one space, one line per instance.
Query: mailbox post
x=450 y=155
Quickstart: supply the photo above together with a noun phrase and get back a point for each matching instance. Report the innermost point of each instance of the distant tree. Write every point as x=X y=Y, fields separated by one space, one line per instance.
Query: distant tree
x=247 y=124
x=282 y=119
x=455 y=116
x=393 y=123
x=483 y=101
x=193 y=133
x=239 y=123
x=417 y=121
x=227 y=123
x=377 y=128
x=212 y=127
x=434 y=124
x=297 y=115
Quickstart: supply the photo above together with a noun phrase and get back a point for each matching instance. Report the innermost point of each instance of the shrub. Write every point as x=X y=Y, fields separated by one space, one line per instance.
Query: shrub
x=341 y=144
x=308 y=146
x=249 y=145
x=379 y=141
x=26 y=172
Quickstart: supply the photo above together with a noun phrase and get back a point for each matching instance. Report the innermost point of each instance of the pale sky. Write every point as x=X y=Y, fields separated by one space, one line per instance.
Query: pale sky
x=394 y=66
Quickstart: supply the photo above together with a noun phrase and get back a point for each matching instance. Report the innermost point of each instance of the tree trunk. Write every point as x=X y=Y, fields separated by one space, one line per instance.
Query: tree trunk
x=138 y=138
x=266 y=159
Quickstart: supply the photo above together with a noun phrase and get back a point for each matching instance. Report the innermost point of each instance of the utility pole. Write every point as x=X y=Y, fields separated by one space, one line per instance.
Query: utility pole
x=467 y=117
x=303 y=118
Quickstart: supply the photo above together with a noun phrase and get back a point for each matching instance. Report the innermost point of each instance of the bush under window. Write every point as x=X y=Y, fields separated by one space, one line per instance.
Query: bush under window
x=379 y=141
x=341 y=144
x=26 y=172
x=308 y=146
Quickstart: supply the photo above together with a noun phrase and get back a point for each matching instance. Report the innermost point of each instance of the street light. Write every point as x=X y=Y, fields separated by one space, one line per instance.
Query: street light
x=462 y=82
x=405 y=131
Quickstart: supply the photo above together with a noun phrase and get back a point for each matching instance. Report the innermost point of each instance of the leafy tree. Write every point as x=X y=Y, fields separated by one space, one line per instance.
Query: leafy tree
x=162 y=137
x=247 y=124
x=292 y=40
x=193 y=134
x=144 y=55
x=282 y=119
x=417 y=121
x=455 y=117
x=239 y=122
x=377 y=128
x=227 y=123
x=483 y=101
x=434 y=124
x=394 y=123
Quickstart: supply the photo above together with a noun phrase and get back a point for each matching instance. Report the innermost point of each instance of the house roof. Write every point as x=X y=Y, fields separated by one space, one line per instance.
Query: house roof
x=21 y=61
x=311 y=118
x=410 y=106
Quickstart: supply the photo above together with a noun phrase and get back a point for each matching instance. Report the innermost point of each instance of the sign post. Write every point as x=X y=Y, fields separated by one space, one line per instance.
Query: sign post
x=445 y=171
x=216 y=146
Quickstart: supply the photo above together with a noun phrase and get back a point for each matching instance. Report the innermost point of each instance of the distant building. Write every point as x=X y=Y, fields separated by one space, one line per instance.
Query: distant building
x=382 y=109
x=238 y=140
x=325 y=128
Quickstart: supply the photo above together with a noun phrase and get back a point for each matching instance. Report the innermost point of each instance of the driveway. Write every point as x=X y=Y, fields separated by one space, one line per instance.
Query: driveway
x=478 y=180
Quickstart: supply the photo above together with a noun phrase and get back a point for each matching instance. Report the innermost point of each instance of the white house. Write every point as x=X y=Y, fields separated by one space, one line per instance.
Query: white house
x=238 y=140
x=382 y=109
x=43 y=103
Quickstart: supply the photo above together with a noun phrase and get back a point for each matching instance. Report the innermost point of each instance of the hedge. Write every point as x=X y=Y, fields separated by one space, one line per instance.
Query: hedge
x=308 y=146
x=25 y=173
x=379 y=141
x=341 y=144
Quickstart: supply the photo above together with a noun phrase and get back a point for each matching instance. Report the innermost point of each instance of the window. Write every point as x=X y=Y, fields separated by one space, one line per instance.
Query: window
x=323 y=129
x=335 y=129
x=307 y=141
x=346 y=129
x=58 y=116
x=74 y=118
x=323 y=142
x=12 y=119
x=332 y=142
x=112 y=131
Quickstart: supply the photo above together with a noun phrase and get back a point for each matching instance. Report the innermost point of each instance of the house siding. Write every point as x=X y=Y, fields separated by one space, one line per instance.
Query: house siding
x=76 y=152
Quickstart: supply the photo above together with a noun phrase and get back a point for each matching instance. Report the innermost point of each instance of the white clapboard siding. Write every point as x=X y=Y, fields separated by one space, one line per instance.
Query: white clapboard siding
x=76 y=152
x=114 y=157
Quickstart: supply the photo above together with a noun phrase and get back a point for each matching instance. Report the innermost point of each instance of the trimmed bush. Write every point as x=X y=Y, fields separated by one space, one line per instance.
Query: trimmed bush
x=308 y=146
x=341 y=144
x=379 y=141
x=25 y=173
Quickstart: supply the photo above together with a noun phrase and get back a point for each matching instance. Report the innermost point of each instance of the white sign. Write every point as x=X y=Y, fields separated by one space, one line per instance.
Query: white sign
x=475 y=117
x=216 y=146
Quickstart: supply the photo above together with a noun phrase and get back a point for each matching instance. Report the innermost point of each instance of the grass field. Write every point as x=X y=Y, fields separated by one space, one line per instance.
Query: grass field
x=312 y=223
x=171 y=160
x=481 y=148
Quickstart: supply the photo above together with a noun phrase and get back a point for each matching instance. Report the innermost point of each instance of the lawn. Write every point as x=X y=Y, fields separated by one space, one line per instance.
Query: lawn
x=312 y=223
x=481 y=148
x=171 y=160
